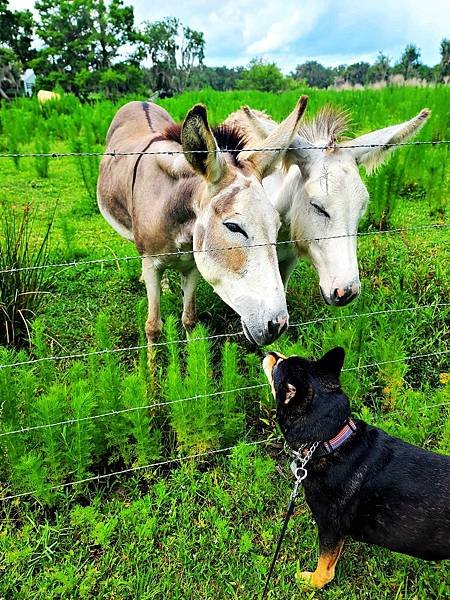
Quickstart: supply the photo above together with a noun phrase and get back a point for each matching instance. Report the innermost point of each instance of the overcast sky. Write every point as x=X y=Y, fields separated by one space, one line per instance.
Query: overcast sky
x=290 y=32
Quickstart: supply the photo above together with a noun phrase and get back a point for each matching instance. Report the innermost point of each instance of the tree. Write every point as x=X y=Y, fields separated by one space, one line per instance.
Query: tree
x=357 y=73
x=262 y=76
x=82 y=39
x=173 y=50
x=9 y=74
x=445 y=59
x=16 y=32
x=409 y=63
x=380 y=69
x=315 y=74
x=218 y=78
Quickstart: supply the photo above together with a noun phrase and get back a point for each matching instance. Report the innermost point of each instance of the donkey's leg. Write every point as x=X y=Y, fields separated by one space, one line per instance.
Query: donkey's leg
x=189 y=283
x=151 y=275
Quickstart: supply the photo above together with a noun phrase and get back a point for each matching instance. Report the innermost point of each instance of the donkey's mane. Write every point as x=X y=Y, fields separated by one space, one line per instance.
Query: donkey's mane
x=328 y=125
x=227 y=136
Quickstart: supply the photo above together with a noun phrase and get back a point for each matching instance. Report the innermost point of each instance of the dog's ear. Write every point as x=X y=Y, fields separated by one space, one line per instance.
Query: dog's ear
x=290 y=393
x=333 y=360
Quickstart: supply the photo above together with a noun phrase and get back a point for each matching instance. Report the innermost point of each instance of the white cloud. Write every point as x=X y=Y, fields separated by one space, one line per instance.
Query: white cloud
x=332 y=31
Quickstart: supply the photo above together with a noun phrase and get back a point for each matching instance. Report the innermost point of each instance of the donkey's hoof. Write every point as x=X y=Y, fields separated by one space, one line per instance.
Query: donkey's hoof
x=189 y=322
x=153 y=333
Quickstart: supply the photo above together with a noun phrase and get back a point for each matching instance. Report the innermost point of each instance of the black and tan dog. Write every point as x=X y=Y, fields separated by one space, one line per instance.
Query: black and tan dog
x=361 y=482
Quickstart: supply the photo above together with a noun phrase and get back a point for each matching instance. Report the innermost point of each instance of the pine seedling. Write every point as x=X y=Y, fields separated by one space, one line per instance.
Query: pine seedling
x=105 y=377
x=52 y=408
x=79 y=436
x=148 y=438
x=232 y=404
x=46 y=370
x=203 y=413
x=172 y=383
x=29 y=475
x=42 y=146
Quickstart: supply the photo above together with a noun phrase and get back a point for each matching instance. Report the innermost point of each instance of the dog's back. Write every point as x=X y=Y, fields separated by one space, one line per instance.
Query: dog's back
x=391 y=494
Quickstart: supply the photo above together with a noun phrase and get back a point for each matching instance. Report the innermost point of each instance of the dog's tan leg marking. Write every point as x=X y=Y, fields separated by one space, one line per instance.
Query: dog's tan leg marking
x=326 y=565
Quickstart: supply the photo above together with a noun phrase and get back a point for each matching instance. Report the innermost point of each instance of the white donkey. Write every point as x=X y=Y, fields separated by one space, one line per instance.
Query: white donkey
x=204 y=200
x=320 y=194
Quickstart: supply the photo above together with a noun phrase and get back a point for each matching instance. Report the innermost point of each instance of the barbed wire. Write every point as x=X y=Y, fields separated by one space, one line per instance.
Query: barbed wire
x=154 y=465
x=115 y=154
x=214 y=336
x=116 y=259
x=141 y=468
x=131 y=409
x=199 y=396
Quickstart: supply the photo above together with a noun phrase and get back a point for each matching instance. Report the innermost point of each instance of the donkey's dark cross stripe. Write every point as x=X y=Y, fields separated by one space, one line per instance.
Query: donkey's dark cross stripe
x=145 y=107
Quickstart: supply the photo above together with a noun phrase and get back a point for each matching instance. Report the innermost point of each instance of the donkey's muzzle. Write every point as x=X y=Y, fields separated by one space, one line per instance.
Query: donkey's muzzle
x=269 y=334
x=341 y=296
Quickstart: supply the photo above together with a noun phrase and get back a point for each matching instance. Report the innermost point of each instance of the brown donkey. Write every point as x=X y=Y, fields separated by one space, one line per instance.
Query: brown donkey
x=201 y=200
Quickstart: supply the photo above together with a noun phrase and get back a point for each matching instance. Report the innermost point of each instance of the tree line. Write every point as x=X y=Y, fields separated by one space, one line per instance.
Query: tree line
x=94 y=47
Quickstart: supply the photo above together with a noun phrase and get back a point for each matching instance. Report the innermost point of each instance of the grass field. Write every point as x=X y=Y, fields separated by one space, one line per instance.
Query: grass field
x=203 y=528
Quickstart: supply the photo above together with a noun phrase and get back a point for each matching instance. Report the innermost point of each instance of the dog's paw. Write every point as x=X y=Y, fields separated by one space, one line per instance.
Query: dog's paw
x=311 y=580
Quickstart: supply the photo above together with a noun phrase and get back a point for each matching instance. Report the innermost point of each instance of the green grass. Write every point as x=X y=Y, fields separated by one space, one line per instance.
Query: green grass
x=205 y=529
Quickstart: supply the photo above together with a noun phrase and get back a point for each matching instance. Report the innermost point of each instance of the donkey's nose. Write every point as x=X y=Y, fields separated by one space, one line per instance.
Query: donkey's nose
x=277 y=326
x=342 y=296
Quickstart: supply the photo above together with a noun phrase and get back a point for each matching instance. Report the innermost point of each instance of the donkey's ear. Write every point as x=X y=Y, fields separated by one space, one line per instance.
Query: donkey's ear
x=371 y=158
x=281 y=136
x=333 y=361
x=200 y=146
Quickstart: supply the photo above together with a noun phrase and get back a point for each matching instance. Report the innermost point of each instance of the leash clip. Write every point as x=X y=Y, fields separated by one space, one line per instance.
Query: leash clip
x=299 y=470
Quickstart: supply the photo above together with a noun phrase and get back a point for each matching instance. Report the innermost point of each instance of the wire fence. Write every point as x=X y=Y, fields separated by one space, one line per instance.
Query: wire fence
x=187 y=340
x=117 y=259
x=311 y=147
x=101 y=476
x=154 y=465
x=200 y=396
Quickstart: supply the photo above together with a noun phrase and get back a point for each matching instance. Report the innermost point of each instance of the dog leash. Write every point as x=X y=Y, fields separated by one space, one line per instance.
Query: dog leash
x=300 y=473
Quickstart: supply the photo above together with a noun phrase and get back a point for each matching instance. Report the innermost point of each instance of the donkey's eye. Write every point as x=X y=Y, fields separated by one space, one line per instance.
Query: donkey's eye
x=321 y=210
x=234 y=227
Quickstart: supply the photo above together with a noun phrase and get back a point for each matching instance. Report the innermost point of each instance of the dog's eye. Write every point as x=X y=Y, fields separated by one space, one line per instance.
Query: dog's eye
x=321 y=210
x=234 y=227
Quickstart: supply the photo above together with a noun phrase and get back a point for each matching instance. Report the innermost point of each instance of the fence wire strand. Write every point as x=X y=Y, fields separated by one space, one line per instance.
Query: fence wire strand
x=187 y=340
x=116 y=259
x=115 y=154
x=141 y=468
x=102 y=476
x=199 y=396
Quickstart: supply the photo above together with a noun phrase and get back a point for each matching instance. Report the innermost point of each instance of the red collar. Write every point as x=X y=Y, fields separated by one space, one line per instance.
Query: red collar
x=341 y=437
x=328 y=447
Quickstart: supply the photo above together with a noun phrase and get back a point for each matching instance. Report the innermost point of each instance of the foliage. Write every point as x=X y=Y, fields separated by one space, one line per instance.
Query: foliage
x=82 y=41
x=16 y=32
x=21 y=291
x=445 y=59
x=409 y=63
x=173 y=50
x=262 y=76
x=380 y=69
x=315 y=74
